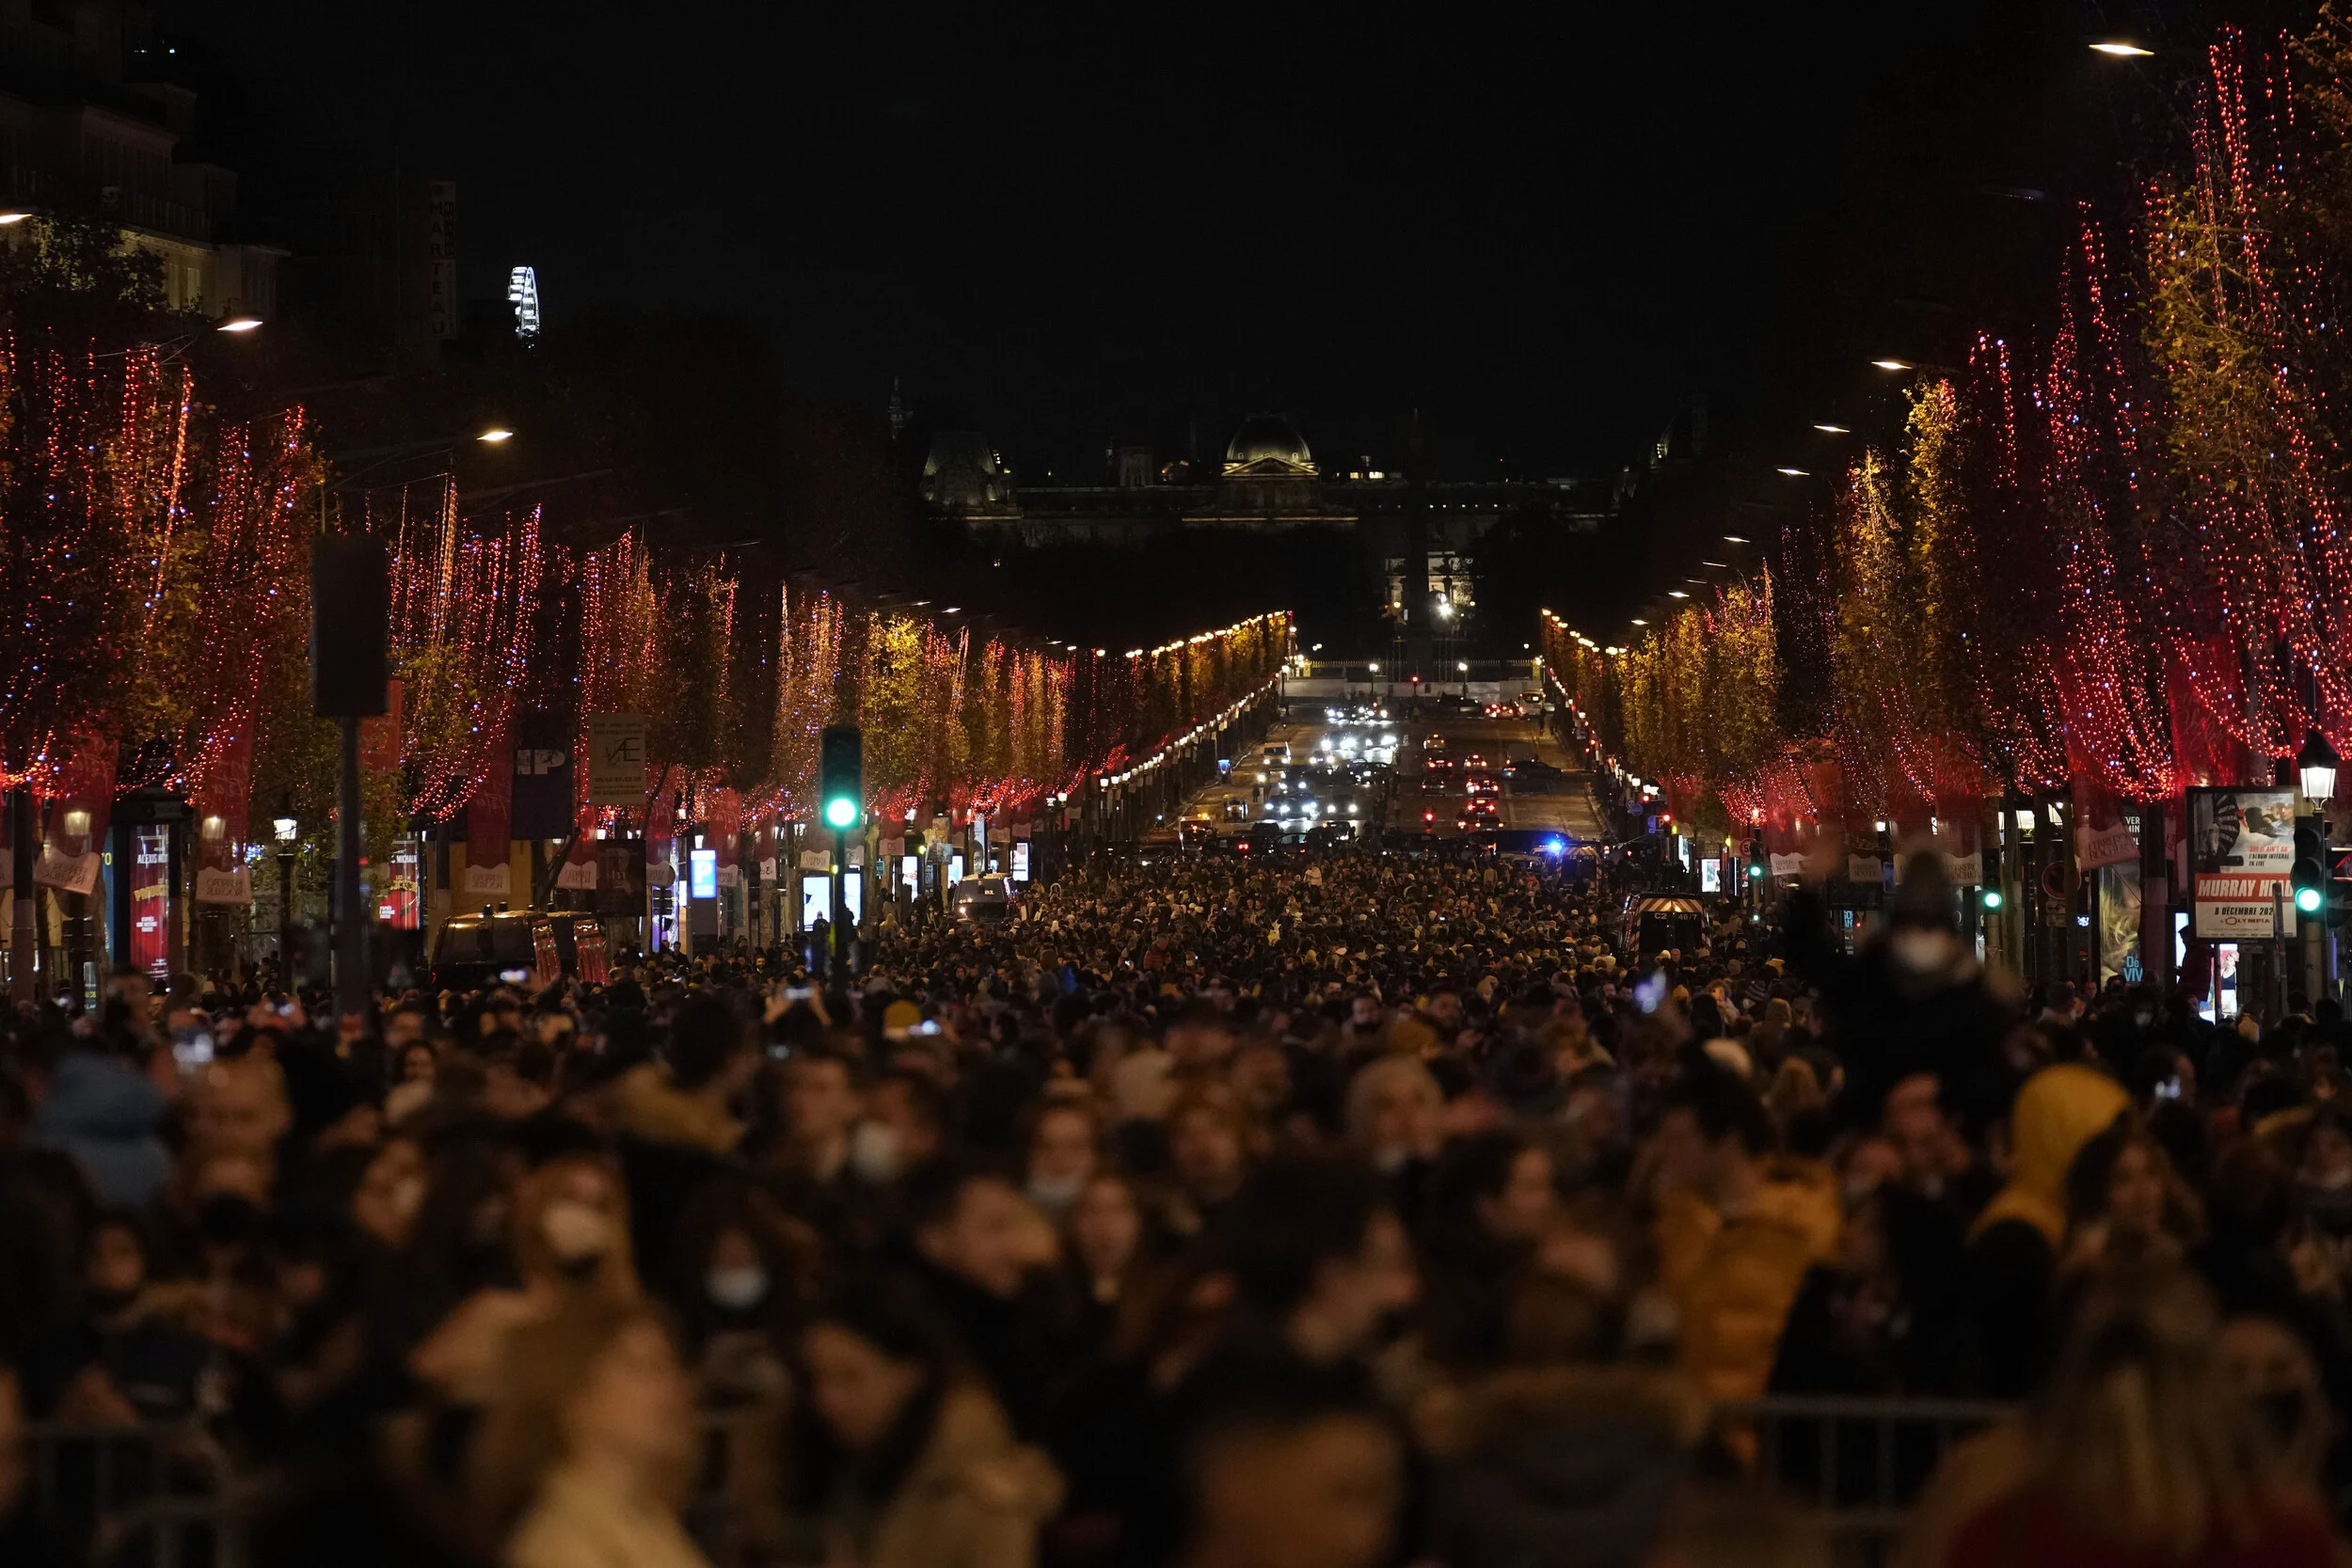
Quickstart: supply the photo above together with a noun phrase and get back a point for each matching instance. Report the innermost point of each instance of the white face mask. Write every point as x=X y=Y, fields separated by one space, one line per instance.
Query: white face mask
x=1921 y=952
x=874 y=1151
x=1055 y=1194
x=738 y=1288
x=575 y=1232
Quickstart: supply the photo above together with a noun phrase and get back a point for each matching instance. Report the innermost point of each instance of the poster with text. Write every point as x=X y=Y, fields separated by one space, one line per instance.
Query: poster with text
x=2241 y=847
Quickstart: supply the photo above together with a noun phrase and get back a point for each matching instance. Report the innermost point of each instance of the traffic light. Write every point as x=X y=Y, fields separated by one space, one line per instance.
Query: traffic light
x=841 y=776
x=2308 y=877
x=1990 y=896
x=2338 y=884
x=1758 y=869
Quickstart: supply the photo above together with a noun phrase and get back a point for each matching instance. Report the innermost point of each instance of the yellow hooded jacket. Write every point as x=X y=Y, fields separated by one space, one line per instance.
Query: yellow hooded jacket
x=2060 y=1110
x=1734 y=1281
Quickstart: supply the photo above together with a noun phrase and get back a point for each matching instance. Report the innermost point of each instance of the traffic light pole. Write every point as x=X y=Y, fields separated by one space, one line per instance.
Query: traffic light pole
x=840 y=902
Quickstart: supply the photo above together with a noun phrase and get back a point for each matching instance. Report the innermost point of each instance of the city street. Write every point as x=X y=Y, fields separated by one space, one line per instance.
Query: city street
x=1529 y=799
x=943 y=792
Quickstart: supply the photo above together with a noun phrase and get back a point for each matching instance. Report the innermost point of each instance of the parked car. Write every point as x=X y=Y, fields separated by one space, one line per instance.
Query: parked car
x=986 y=900
x=523 y=947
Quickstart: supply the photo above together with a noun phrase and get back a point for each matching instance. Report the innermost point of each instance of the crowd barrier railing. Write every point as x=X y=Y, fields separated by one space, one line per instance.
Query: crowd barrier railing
x=166 y=1495
x=1858 y=1464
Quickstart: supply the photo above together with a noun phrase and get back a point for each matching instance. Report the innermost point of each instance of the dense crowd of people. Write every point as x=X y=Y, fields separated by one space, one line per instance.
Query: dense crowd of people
x=1321 y=1213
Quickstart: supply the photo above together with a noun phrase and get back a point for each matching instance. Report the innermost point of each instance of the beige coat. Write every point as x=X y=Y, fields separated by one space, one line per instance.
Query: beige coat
x=575 y=1523
x=974 y=1498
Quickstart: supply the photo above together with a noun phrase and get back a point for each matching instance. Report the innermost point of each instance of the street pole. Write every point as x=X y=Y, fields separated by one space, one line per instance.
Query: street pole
x=20 y=924
x=285 y=903
x=351 y=946
x=840 y=901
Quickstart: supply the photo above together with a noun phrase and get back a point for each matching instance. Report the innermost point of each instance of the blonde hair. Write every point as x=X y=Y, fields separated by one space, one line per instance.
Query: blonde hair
x=1376 y=1078
x=2139 y=1430
x=545 y=1366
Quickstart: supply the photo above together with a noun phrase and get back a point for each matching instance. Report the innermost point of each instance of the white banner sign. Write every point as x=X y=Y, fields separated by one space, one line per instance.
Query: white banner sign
x=1865 y=869
x=1787 y=865
x=767 y=869
x=577 y=875
x=68 y=873
x=224 y=887
x=492 y=881
x=730 y=875
x=616 y=759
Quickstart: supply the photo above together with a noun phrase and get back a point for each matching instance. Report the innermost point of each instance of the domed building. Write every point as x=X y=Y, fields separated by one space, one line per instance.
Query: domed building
x=1269 y=478
x=1267 y=482
x=1268 y=444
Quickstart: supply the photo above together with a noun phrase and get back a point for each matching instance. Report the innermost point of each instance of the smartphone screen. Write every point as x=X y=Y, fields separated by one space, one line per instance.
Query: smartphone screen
x=1650 y=992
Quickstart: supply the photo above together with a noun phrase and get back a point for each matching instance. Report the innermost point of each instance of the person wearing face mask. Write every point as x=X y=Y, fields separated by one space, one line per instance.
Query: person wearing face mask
x=738 y=1285
x=569 y=1242
x=1064 y=1150
x=905 y=1126
x=390 y=1192
x=1914 y=1000
x=1396 y=1118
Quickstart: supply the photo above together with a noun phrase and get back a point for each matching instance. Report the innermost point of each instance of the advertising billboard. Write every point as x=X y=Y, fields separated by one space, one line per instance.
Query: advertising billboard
x=2241 y=850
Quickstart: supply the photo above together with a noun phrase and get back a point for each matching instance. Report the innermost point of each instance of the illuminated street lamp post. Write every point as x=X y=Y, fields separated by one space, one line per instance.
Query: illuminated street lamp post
x=289 y=831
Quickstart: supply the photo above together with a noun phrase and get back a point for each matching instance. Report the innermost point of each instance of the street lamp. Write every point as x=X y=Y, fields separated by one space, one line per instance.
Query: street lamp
x=494 y=434
x=238 y=324
x=2316 y=763
x=1892 y=364
x=2121 y=49
x=1794 y=473
x=1829 y=429
x=289 y=832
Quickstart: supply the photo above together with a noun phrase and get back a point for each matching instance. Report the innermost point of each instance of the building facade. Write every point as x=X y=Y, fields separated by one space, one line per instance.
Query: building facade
x=1268 y=481
x=92 y=121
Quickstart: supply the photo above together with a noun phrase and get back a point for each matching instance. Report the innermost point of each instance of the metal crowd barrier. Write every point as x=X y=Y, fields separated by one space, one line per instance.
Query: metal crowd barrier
x=166 y=1496
x=1860 y=1464
x=161 y=1494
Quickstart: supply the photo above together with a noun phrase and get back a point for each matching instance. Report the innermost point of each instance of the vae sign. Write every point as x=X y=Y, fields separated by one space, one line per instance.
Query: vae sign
x=616 y=759
x=2241 y=852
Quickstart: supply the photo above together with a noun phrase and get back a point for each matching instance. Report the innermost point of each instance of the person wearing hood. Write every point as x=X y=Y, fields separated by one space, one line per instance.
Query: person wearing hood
x=1914 y=1000
x=103 y=1111
x=2014 y=1246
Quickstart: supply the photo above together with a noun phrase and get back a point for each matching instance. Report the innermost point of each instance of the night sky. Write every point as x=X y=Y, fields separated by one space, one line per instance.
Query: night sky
x=1538 y=226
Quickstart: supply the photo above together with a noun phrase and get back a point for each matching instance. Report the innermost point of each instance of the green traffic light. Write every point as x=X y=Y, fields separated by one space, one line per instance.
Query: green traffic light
x=841 y=812
x=2308 y=900
x=1992 y=899
x=1757 y=871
